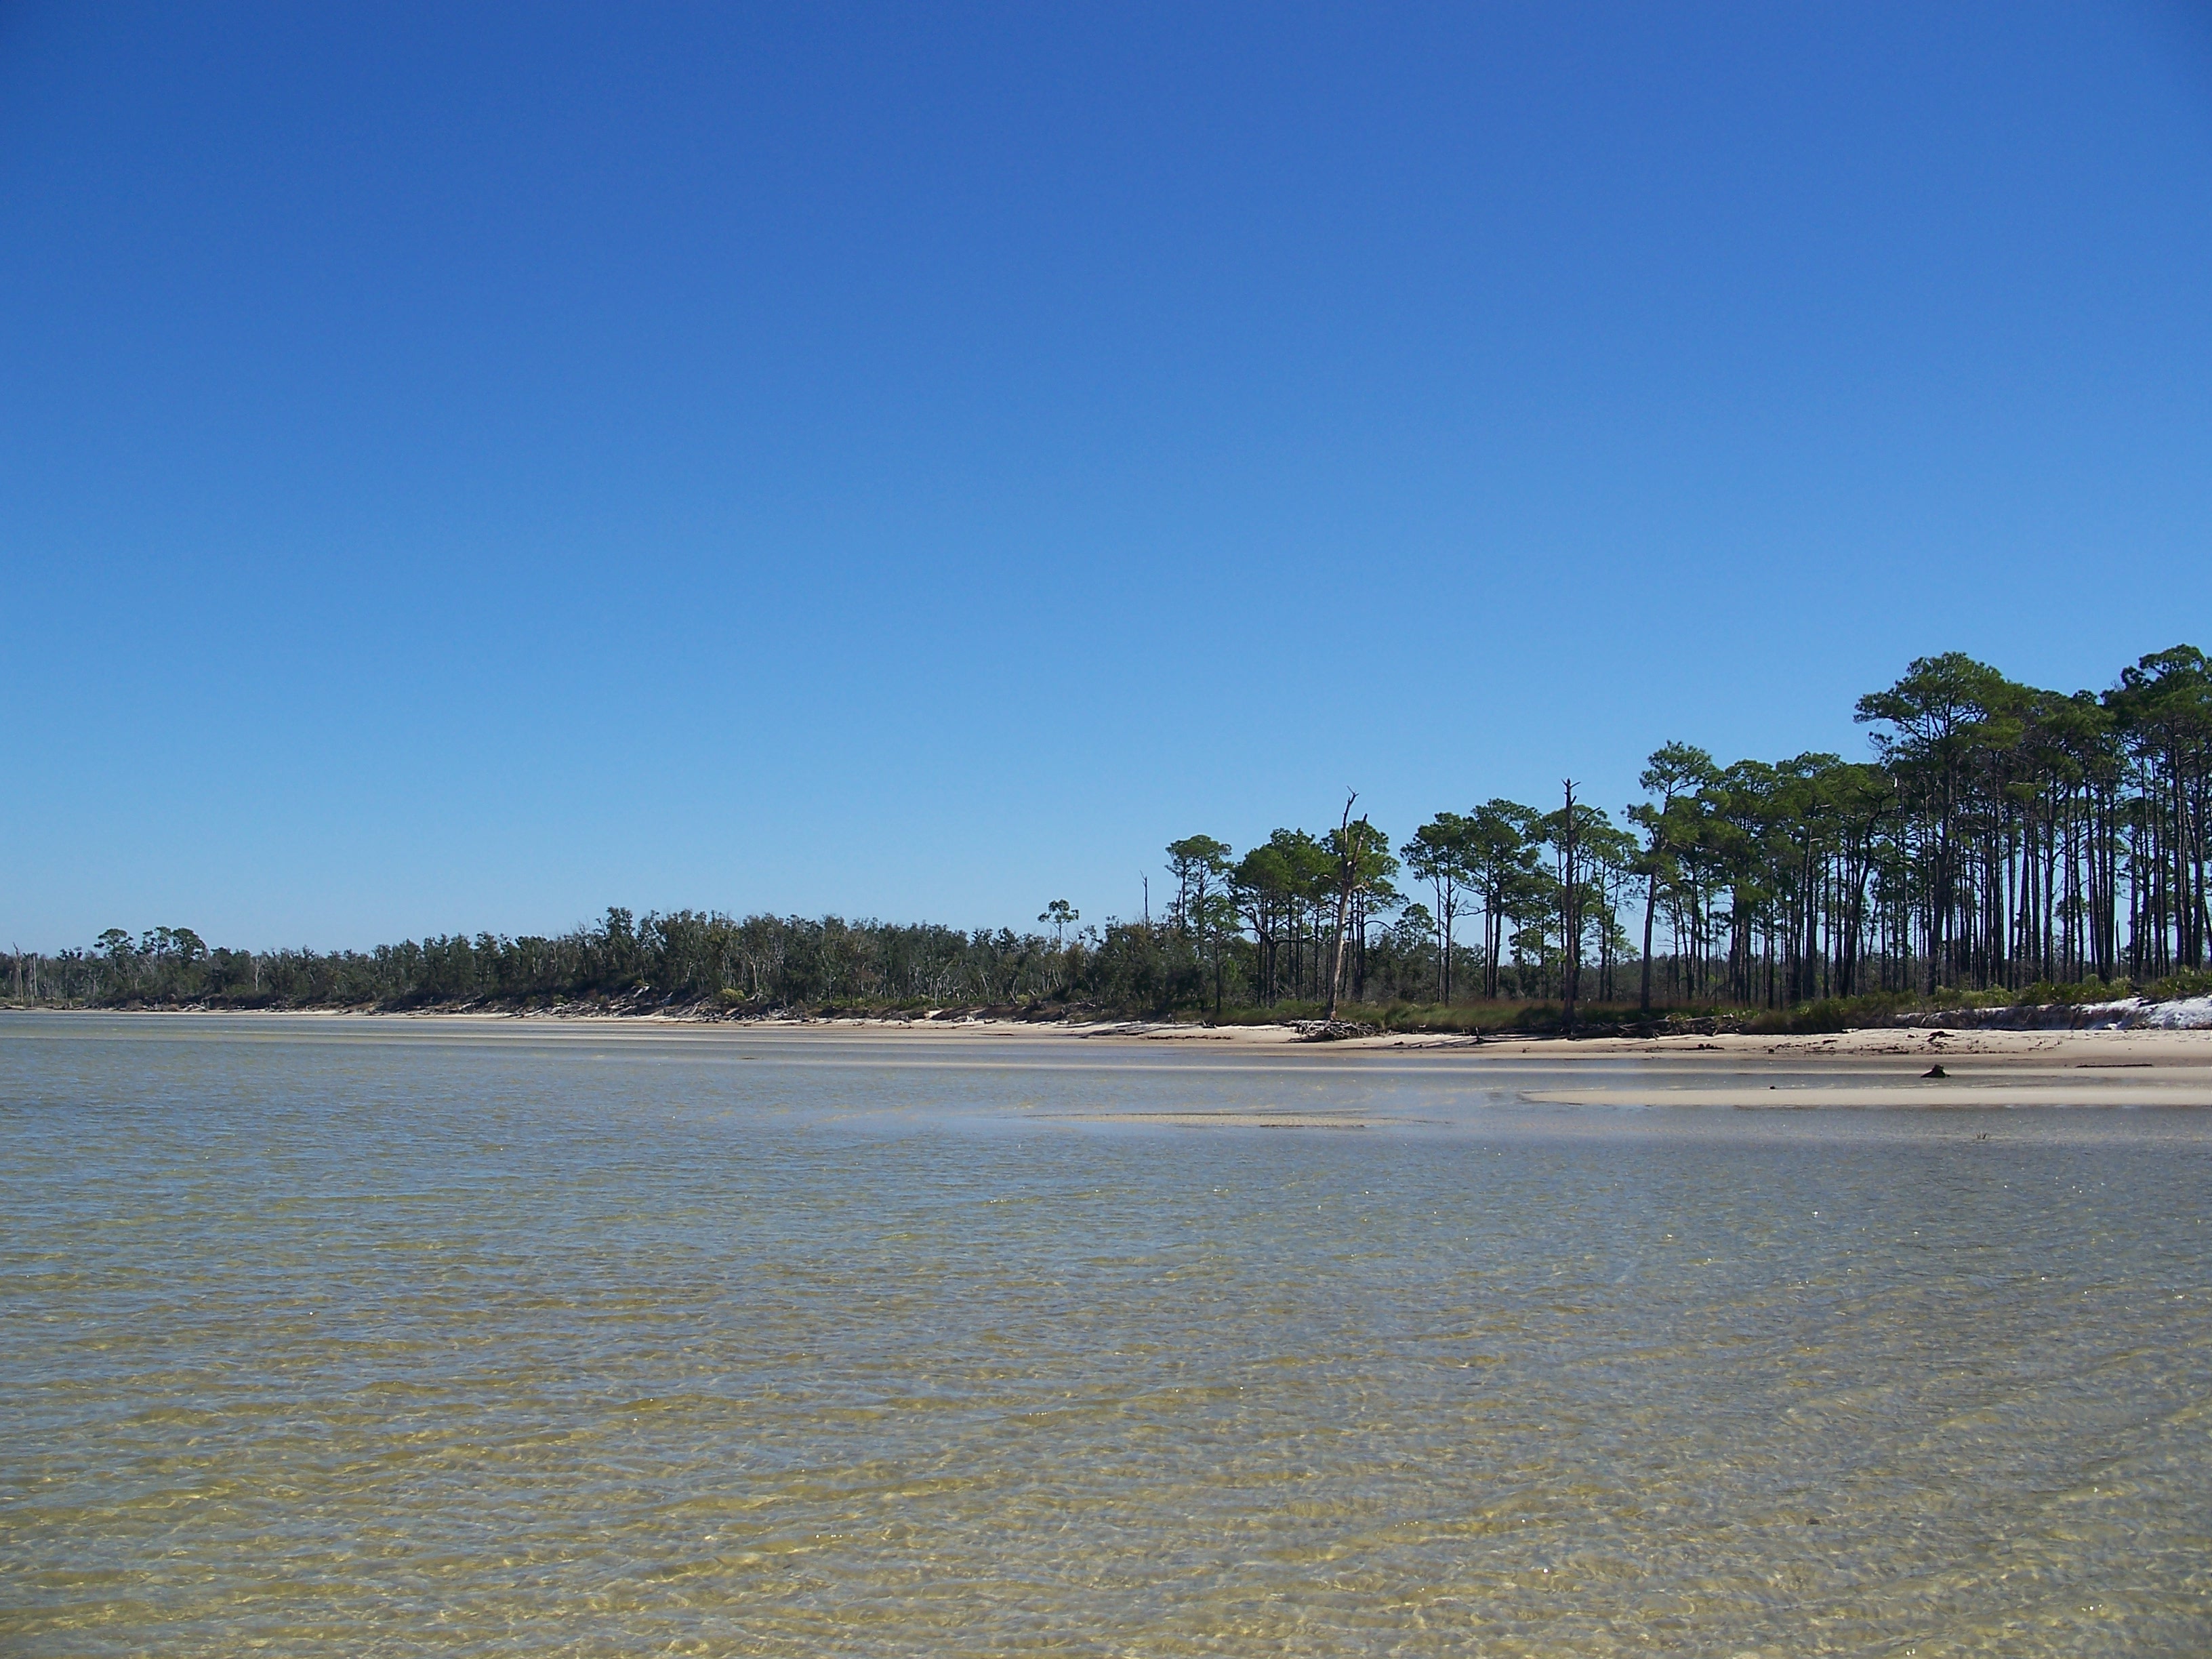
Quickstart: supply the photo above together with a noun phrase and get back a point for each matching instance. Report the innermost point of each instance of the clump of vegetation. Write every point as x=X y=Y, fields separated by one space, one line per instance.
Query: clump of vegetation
x=1834 y=1014
x=2175 y=986
x=2044 y=995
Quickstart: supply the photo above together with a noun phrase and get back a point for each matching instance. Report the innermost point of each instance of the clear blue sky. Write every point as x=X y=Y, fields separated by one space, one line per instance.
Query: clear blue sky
x=463 y=466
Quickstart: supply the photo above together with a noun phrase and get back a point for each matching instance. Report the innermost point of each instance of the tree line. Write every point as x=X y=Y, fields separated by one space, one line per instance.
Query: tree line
x=1999 y=838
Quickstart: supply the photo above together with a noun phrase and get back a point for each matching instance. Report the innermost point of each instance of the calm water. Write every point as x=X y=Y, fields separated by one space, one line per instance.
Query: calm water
x=370 y=1338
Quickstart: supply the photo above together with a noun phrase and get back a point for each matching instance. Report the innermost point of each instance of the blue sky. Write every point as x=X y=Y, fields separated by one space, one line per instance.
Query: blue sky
x=461 y=467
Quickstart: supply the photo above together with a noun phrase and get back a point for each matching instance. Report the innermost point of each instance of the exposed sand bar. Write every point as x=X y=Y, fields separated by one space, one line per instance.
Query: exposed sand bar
x=1884 y=1067
x=1872 y=1069
x=1863 y=1069
x=1866 y=1091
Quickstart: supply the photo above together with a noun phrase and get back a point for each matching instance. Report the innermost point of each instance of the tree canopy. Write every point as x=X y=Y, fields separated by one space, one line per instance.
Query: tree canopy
x=1999 y=837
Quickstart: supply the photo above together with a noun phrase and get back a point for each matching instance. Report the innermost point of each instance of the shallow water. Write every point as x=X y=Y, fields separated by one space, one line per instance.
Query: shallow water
x=332 y=1336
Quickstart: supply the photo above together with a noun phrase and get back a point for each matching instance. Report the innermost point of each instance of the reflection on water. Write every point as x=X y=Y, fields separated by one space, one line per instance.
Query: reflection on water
x=342 y=1337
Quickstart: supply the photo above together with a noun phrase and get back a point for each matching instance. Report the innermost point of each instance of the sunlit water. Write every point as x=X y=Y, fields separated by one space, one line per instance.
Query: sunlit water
x=384 y=1337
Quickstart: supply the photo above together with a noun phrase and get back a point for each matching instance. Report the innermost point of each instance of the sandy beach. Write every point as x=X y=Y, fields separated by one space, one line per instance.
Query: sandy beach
x=1867 y=1068
x=1864 y=1068
x=1875 y=1067
x=1886 y=1067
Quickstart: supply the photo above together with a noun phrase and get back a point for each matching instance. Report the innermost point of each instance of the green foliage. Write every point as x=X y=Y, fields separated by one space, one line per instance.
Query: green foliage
x=2174 y=987
x=2009 y=845
x=2045 y=994
x=683 y=958
x=1835 y=1014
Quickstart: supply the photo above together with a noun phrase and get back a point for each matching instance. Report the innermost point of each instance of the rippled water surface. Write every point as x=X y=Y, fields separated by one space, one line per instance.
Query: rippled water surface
x=355 y=1337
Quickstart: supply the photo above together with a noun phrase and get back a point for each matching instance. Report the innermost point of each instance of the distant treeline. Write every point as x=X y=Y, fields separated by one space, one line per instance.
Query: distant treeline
x=2001 y=838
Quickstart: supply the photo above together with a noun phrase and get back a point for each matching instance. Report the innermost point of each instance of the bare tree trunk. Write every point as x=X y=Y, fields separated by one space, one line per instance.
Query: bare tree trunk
x=1570 y=940
x=1449 y=907
x=1347 y=874
x=1650 y=903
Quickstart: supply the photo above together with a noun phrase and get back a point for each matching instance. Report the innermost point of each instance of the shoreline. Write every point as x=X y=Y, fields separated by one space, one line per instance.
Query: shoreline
x=1869 y=1067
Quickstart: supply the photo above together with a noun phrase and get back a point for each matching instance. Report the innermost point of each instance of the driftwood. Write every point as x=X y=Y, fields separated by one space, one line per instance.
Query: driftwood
x=1333 y=1031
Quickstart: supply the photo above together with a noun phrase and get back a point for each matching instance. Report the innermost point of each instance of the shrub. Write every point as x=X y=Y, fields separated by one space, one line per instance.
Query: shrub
x=2190 y=982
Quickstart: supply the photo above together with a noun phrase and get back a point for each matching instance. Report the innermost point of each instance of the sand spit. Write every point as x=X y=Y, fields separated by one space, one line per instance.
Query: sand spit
x=1890 y=1066
x=1939 y=1068
x=1885 y=1067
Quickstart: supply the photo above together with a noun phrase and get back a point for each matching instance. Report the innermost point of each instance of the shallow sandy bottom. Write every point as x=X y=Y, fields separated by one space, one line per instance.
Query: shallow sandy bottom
x=1243 y=1120
x=500 y=1338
